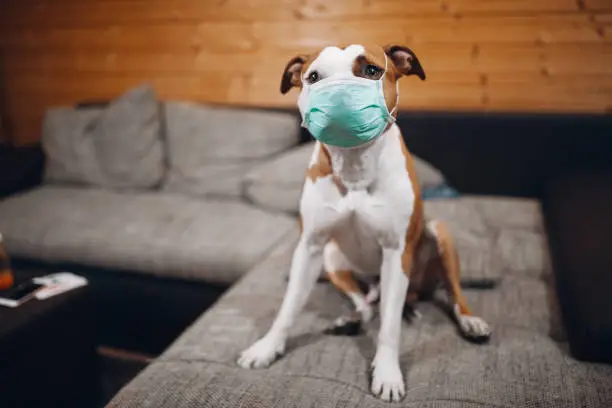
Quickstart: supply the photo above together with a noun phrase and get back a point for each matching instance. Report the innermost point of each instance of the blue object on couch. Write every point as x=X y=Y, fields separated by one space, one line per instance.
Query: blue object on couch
x=440 y=191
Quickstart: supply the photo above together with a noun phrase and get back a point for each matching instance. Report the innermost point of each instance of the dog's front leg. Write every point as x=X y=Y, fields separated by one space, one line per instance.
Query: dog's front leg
x=305 y=268
x=387 y=379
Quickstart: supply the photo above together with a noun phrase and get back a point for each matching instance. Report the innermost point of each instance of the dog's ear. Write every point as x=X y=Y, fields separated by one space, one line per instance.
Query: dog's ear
x=404 y=60
x=293 y=73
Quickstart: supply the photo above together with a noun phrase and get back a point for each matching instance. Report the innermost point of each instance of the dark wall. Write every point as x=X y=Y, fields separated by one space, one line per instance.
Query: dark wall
x=509 y=154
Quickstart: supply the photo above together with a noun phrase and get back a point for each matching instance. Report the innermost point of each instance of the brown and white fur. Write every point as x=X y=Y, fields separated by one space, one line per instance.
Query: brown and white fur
x=361 y=213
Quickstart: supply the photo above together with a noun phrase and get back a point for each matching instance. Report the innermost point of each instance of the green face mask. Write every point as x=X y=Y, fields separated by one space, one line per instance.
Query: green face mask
x=346 y=112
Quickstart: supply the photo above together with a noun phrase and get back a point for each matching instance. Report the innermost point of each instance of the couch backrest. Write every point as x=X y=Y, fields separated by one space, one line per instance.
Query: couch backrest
x=211 y=148
x=136 y=142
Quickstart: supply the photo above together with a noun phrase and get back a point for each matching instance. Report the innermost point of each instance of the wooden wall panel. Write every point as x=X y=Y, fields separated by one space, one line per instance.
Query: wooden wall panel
x=484 y=55
x=3 y=136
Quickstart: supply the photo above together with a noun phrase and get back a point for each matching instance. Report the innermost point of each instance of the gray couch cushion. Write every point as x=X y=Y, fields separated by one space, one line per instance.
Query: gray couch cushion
x=277 y=184
x=525 y=364
x=160 y=234
x=212 y=148
x=494 y=235
x=114 y=147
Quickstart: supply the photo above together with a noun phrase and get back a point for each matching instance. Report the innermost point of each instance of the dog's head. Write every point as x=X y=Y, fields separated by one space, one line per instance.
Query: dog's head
x=354 y=61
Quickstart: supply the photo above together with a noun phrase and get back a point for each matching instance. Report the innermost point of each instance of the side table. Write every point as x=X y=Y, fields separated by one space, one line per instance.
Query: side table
x=47 y=351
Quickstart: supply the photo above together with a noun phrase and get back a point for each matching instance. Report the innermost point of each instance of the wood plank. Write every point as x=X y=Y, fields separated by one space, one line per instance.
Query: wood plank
x=591 y=58
x=440 y=97
x=71 y=14
x=219 y=37
x=472 y=30
x=68 y=14
x=441 y=57
x=468 y=7
x=84 y=86
x=143 y=62
x=546 y=98
x=604 y=19
x=597 y=5
x=591 y=83
x=433 y=57
x=244 y=37
x=554 y=58
x=580 y=60
x=587 y=93
x=96 y=13
x=508 y=58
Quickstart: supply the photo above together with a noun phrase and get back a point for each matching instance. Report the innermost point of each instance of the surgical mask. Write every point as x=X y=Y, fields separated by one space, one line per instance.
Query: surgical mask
x=347 y=112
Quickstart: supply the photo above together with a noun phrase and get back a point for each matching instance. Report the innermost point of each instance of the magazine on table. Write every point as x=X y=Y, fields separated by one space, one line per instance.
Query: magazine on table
x=41 y=288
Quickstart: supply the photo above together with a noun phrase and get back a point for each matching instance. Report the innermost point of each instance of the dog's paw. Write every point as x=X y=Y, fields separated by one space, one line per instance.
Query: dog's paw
x=345 y=326
x=262 y=353
x=387 y=380
x=411 y=314
x=366 y=312
x=472 y=327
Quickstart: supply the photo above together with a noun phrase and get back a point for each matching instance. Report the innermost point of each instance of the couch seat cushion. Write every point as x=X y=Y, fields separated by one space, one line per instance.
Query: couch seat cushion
x=495 y=236
x=525 y=363
x=160 y=234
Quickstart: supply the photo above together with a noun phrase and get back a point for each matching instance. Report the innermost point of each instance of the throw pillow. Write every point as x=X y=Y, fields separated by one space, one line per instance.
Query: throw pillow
x=212 y=148
x=118 y=146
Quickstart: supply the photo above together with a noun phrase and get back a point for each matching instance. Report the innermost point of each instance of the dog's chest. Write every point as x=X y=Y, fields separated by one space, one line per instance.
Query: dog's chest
x=365 y=204
x=366 y=222
x=357 y=170
x=376 y=206
x=358 y=235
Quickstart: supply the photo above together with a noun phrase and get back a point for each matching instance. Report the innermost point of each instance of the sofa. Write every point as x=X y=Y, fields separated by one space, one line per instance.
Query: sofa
x=184 y=217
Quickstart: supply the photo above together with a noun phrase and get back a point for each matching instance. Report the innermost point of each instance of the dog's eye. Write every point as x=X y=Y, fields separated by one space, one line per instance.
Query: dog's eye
x=313 y=77
x=372 y=70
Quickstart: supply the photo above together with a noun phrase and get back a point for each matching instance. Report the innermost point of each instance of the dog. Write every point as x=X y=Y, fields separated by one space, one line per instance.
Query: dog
x=361 y=211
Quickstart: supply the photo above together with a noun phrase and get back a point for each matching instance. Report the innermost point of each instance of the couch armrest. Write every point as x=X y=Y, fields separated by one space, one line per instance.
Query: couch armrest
x=577 y=214
x=21 y=168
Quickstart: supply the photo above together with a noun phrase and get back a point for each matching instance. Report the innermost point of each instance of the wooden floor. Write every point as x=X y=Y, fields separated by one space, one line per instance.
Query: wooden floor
x=484 y=55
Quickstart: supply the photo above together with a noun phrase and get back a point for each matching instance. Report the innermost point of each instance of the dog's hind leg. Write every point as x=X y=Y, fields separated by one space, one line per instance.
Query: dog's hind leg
x=339 y=271
x=471 y=326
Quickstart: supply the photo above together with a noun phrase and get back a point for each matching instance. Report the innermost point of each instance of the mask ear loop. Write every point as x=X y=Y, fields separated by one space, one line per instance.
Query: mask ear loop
x=396 y=88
